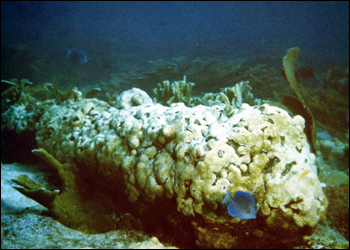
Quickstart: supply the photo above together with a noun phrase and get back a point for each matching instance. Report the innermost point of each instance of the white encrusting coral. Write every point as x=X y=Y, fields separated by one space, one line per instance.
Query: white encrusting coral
x=193 y=155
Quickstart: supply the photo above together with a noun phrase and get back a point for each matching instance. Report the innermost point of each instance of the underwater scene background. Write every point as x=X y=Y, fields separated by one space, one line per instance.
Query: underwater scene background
x=174 y=124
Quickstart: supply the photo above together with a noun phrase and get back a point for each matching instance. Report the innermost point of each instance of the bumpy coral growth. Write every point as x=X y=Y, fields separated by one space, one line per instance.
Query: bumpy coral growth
x=193 y=155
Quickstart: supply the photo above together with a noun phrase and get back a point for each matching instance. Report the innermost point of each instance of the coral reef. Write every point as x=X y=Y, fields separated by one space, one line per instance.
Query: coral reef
x=298 y=104
x=233 y=97
x=331 y=104
x=208 y=74
x=167 y=93
x=132 y=97
x=326 y=103
x=177 y=163
x=337 y=79
x=339 y=208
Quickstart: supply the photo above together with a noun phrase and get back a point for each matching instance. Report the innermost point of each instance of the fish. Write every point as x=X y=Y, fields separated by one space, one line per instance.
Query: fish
x=92 y=92
x=304 y=173
x=77 y=56
x=242 y=205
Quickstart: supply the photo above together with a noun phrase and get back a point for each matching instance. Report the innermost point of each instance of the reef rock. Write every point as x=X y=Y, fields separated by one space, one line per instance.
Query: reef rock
x=177 y=163
x=339 y=208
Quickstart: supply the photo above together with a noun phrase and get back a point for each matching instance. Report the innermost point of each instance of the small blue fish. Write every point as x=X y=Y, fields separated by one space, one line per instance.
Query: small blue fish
x=241 y=206
x=77 y=56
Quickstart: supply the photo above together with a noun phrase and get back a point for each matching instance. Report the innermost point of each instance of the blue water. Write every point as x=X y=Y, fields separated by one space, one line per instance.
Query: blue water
x=132 y=33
